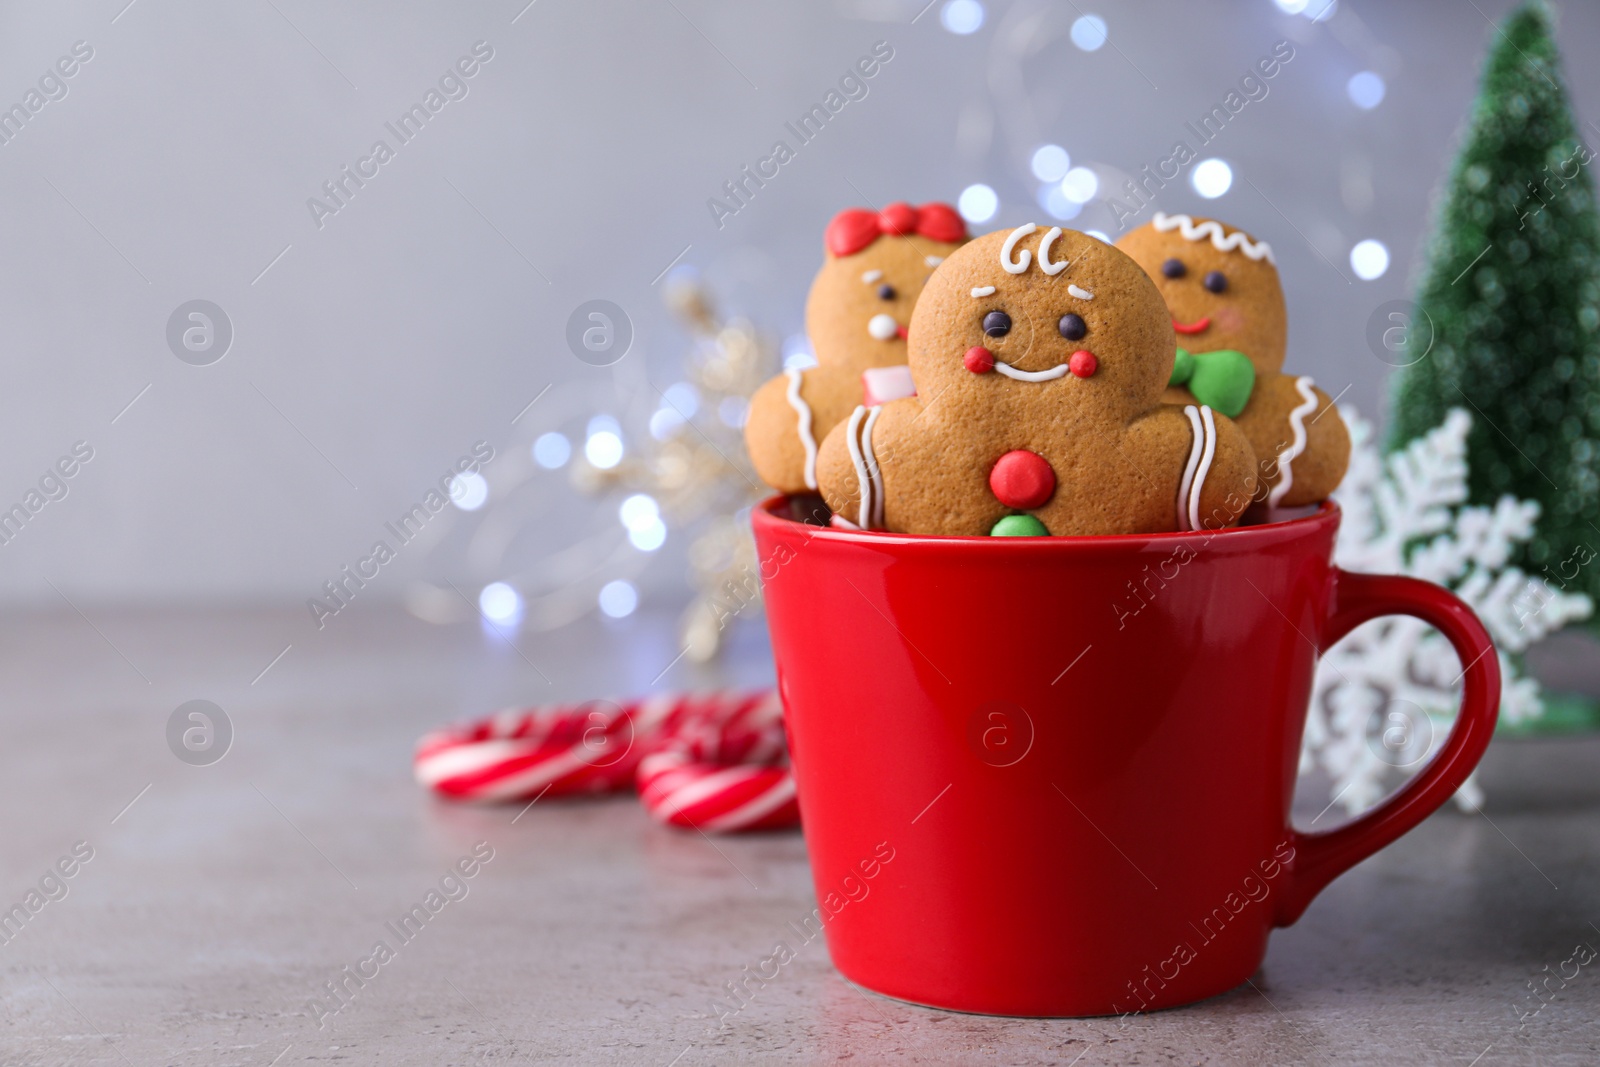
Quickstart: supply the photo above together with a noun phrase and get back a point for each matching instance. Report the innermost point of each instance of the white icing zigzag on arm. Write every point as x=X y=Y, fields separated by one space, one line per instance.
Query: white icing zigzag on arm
x=802 y=411
x=1297 y=426
x=1186 y=228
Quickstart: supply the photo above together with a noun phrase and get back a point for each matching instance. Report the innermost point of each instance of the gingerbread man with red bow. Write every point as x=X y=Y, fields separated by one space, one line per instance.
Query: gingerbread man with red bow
x=856 y=316
x=1040 y=359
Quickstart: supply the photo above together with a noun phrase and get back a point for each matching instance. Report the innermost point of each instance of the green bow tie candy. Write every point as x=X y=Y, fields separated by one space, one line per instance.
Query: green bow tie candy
x=1221 y=380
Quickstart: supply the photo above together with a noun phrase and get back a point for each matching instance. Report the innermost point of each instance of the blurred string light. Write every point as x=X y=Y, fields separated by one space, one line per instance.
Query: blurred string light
x=641 y=517
x=1089 y=32
x=1050 y=163
x=603 y=444
x=679 y=403
x=469 y=490
x=962 y=16
x=978 y=203
x=500 y=604
x=1315 y=10
x=551 y=451
x=797 y=352
x=1079 y=185
x=1055 y=202
x=1369 y=259
x=1366 y=89
x=1211 y=178
x=618 y=599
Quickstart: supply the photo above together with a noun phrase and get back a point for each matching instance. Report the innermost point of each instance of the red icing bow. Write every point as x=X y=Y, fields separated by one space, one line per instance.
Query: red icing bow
x=855 y=228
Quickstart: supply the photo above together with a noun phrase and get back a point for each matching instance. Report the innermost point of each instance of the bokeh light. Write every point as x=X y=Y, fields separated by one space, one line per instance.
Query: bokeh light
x=469 y=490
x=552 y=450
x=962 y=16
x=1369 y=259
x=978 y=203
x=618 y=599
x=1366 y=89
x=1050 y=163
x=1089 y=32
x=1211 y=178
x=500 y=603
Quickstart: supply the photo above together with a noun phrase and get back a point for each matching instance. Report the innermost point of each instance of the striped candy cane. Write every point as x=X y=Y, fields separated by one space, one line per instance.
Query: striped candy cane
x=716 y=762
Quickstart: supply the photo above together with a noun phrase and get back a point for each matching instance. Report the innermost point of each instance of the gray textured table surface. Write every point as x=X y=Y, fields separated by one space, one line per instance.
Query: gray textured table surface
x=217 y=905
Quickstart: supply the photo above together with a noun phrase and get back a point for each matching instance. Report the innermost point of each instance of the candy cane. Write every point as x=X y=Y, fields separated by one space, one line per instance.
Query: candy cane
x=715 y=762
x=724 y=773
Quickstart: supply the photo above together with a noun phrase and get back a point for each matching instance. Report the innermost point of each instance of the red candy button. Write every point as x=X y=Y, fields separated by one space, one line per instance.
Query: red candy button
x=1083 y=363
x=978 y=360
x=1022 y=480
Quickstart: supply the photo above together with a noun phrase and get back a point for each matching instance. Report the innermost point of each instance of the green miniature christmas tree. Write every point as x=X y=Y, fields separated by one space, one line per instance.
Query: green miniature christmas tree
x=1512 y=291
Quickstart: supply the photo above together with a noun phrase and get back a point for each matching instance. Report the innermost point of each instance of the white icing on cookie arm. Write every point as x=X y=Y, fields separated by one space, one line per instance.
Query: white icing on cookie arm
x=1202 y=450
x=1298 y=438
x=1199 y=486
x=858 y=439
x=802 y=411
x=1196 y=447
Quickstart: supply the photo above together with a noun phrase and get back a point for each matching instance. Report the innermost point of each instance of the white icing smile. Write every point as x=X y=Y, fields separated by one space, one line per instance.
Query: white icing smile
x=883 y=327
x=1081 y=294
x=1030 y=375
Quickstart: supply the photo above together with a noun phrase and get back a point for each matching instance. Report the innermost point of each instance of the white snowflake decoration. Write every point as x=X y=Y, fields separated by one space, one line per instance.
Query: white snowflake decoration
x=1386 y=696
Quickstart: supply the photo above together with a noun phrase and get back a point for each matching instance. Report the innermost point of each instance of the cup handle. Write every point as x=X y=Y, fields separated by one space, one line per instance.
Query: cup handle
x=1319 y=858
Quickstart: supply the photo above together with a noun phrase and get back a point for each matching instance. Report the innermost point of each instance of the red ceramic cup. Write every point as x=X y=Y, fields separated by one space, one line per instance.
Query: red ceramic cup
x=1052 y=776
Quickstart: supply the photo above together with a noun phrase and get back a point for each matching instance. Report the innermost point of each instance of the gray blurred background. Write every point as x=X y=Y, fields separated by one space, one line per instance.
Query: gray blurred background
x=373 y=347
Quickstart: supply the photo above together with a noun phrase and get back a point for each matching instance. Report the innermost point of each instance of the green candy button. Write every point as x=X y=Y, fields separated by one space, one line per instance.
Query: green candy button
x=1019 y=526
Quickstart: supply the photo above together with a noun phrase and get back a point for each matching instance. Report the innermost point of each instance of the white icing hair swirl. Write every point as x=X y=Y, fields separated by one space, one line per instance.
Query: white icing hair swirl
x=1189 y=231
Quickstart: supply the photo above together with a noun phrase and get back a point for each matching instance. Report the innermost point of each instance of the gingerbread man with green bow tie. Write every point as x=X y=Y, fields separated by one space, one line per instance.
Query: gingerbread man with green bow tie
x=1222 y=290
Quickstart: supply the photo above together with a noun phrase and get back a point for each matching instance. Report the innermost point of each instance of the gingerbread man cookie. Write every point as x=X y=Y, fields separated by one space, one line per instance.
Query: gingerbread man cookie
x=1039 y=358
x=1222 y=289
x=856 y=316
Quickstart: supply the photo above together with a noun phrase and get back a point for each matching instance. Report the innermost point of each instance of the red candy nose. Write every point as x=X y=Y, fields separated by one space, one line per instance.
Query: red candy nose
x=900 y=332
x=1022 y=480
x=1083 y=363
x=978 y=360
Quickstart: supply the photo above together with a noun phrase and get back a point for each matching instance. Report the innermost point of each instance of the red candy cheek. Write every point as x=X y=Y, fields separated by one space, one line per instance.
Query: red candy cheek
x=1083 y=364
x=1022 y=480
x=978 y=360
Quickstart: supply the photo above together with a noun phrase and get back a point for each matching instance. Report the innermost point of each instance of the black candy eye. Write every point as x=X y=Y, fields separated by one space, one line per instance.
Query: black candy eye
x=997 y=324
x=1214 y=281
x=1072 y=327
x=1174 y=268
x=886 y=292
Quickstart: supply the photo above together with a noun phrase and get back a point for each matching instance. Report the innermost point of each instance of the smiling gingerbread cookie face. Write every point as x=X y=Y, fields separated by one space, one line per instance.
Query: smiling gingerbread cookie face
x=1040 y=359
x=1220 y=286
x=856 y=316
x=1030 y=314
x=1222 y=291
